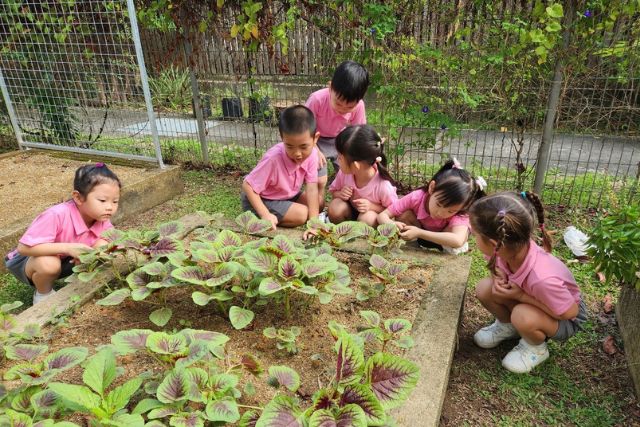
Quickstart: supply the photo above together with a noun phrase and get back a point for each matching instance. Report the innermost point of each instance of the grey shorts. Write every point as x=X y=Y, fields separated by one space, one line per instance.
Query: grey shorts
x=277 y=207
x=568 y=328
x=18 y=263
x=328 y=147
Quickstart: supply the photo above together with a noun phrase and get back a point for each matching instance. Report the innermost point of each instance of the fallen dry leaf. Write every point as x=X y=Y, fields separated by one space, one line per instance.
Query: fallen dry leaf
x=601 y=277
x=607 y=304
x=609 y=345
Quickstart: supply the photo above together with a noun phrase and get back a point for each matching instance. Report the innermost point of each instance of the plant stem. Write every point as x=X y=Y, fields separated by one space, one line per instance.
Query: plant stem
x=250 y=407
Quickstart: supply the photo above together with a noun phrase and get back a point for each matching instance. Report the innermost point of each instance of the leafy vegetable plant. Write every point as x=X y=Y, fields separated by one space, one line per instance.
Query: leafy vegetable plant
x=336 y=235
x=285 y=338
x=386 y=271
x=385 y=236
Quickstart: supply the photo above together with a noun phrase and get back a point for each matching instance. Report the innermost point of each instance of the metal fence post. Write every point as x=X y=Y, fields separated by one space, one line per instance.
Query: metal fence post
x=10 y=110
x=144 y=81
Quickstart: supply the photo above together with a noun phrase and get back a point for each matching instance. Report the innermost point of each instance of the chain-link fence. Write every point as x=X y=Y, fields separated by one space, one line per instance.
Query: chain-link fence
x=71 y=77
x=595 y=156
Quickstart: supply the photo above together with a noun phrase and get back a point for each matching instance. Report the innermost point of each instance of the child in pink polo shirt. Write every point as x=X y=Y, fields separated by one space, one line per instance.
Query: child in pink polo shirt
x=55 y=239
x=532 y=294
x=337 y=106
x=363 y=187
x=272 y=190
x=435 y=214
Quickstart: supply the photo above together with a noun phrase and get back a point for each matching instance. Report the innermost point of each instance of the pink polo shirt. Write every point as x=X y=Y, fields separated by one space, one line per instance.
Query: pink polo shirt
x=378 y=190
x=418 y=201
x=277 y=177
x=62 y=223
x=545 y=278
x=329 y=122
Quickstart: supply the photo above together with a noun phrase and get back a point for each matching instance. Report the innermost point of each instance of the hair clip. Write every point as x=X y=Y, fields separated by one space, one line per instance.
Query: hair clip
x=378 y=159
x=523 y=194
x=502 y=212
x=456 y=164
x=481 y=183
x=100 y=165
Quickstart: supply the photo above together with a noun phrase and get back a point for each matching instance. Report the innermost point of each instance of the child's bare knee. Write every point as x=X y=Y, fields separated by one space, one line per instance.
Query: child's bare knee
x=369 y=218
x=483 y=289
x=49 y=265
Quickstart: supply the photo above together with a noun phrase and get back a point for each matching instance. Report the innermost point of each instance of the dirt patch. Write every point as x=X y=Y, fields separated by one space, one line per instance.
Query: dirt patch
x=33 y=182
x=92 y=325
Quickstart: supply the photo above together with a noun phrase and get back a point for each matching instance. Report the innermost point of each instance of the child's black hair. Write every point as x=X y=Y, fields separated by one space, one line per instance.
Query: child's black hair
x=350 y=81
x=295 y=120
x=509 y=218
x=361 y=143
x=455 y=186
x=88 y=176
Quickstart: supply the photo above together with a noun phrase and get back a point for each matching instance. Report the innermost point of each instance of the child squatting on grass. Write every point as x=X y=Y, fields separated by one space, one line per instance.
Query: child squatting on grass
x=336 y=106
x=532 y=294
x=436 y=213
x=273 y=189
x=363 y=187
x=53 y=242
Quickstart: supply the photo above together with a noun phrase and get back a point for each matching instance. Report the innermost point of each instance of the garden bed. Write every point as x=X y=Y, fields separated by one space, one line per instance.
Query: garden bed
x=434 y=305
x=93 y=326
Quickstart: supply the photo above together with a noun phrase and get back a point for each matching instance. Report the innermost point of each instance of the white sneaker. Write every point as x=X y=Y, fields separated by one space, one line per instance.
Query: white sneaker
x=324 y=217
x=524 y=357
x=38 y=297
x=492 y=335
x=456 y=251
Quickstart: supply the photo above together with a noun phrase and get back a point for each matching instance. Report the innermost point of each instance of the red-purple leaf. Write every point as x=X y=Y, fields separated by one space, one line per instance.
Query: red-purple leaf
x=26 y=352
x=169 y=228
x=347 y=416
x=362 y=395
x=251 y=364
x=130 y=341
x=284 y=376
x=391 y=378
x=164 y=247
x=350 y=363
x=65 y=358
x=282 y=411
x=289 y=268
x=175 y=387
x=378 y=262
x=397 y=325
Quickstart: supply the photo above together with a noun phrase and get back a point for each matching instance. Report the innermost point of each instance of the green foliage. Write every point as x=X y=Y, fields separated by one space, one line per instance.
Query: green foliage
x=171 y=89
x=359 y=394
x=615 y=245
x=285 y=338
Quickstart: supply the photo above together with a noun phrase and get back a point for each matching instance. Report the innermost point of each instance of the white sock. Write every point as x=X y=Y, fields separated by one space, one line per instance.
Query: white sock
x=38 y=297
x=537 y=347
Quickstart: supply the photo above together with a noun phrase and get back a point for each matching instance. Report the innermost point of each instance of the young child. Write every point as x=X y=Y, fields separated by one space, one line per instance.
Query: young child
x=363 y=188
x=531 y=293
x=272 y=190
x=53 y=242
x=435 y=213
x=337 y=106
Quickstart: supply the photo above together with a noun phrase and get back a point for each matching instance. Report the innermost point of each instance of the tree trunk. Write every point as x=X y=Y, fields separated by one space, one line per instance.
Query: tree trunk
x=628 y=315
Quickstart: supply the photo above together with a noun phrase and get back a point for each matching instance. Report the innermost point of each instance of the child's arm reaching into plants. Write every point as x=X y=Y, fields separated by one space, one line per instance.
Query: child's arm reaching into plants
x=454 y=238
x=73 y=250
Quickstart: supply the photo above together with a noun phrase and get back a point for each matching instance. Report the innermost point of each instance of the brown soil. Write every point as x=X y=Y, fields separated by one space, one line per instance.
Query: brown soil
x=92 y=325
x=32 y=182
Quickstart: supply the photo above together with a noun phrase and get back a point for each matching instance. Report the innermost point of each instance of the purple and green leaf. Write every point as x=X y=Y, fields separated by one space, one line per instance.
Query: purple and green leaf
x=163 y=343
x=26 y=352
x=347 y=416
x=282 y=411
x=284 y=376
x=391 y=378
x=127 y=342
x=223 y=410
x=396 y=326
x=240 y=317
x=175 y=387
x=161 y=316
x=363 y=396
x=350 y=364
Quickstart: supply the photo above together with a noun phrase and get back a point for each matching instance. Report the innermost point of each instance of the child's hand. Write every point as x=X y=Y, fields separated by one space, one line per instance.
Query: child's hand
x=410 y=232
x=508 y=291
x=272 y=219
x=362 y=205
x=345 y=193
x=322 y=160
x=310 y=233
x=74 y=250
x=500 y=278
x=401 y=225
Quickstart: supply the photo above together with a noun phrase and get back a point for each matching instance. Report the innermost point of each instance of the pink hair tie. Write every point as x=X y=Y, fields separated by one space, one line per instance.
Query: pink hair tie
x=502 y=212
x=100 y=165
x=456 y=164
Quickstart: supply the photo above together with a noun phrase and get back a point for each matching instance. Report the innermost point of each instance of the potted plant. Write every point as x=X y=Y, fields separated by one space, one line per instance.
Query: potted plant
x=260 y=96
x=615 y=248
x=231 y=104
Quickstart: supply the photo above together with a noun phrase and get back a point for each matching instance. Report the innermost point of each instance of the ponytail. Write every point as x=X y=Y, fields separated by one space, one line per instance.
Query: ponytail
x=534 y=199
